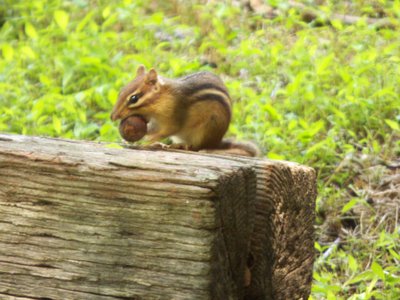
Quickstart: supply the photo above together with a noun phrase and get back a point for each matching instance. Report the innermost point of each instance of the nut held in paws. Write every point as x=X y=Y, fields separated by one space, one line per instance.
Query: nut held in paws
x=133 y=128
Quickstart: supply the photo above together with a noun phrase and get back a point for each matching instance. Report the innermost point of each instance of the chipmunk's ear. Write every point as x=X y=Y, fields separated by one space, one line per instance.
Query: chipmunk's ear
x=140 y=70
x=151 y=77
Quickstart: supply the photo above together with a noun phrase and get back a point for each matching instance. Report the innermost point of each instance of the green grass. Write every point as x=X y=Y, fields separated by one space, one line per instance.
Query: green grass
x=315 y=95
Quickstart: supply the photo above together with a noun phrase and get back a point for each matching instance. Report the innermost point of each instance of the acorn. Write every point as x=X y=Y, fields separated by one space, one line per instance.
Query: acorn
x=133 y=128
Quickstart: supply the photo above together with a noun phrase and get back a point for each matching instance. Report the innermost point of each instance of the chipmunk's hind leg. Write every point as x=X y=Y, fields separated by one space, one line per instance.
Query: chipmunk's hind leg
x=205 y=125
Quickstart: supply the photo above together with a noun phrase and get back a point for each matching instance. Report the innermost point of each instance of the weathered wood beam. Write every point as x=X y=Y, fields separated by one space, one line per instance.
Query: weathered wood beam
x=79 y=220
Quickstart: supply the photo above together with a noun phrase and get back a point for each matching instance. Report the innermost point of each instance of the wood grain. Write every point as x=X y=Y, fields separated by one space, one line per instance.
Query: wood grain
x=282 y=241
x=80 y=220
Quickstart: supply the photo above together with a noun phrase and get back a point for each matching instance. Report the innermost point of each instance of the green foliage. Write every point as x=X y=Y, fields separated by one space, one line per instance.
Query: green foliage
x=346 y=276
x=315 y=95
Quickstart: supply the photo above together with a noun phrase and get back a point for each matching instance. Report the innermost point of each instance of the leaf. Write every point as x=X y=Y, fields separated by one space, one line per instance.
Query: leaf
x=57 y=124
x=317 y=148
x=157 y=18
x=352 y=263
x=337 y=24
x=378 y=270
x=325 y=64
x=371 y=286
x=366 y=275
x=8 y=52
x=106 y=12
x=67 y=77
x=82 y=116
x=275 y=156
x=386 y=92
x=318 y=247
x=28 y=52
x=219 y=27
x=345 y=75
x=393 y=124
x=3 y=126
x=394 y=254
x=331 y=296
x=31 y=31
x=109 y=131
x=349 y=205
x=61 y=18
x=45 y=80
x=112 y=96
x=272 y=112
x=82 y=24
x=113 y=146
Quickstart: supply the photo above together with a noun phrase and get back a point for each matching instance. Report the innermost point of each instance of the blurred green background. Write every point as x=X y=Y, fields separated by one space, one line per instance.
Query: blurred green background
x=319 y=92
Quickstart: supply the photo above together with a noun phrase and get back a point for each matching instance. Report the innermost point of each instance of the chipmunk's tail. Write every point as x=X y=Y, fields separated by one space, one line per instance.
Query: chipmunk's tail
x=233 y=147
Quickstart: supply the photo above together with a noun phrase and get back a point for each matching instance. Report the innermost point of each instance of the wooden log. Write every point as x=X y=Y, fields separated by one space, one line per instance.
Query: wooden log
x=79 y=220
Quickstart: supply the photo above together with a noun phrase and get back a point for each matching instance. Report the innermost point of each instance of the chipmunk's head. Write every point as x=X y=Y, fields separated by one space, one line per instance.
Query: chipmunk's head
x=136 y=97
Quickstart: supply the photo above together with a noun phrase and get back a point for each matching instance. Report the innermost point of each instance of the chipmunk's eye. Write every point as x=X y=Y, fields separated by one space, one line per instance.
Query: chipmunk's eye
x=133 y=99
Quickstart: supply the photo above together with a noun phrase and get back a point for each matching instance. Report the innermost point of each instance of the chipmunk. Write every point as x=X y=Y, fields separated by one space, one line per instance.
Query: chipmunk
x=194 y=111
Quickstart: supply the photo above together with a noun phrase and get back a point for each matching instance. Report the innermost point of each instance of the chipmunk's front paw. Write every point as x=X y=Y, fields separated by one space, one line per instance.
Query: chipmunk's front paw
x=157 y=146
x=162 y=146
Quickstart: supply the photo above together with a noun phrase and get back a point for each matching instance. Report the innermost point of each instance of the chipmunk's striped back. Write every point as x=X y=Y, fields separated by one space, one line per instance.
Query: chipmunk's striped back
x=206 y=86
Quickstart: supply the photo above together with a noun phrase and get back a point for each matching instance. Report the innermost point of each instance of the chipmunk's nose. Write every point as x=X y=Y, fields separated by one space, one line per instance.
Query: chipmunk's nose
x=114 y=115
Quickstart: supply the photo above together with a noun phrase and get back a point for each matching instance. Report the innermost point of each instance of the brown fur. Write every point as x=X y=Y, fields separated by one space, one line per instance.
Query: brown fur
x=231 y=147
x=205 y=125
